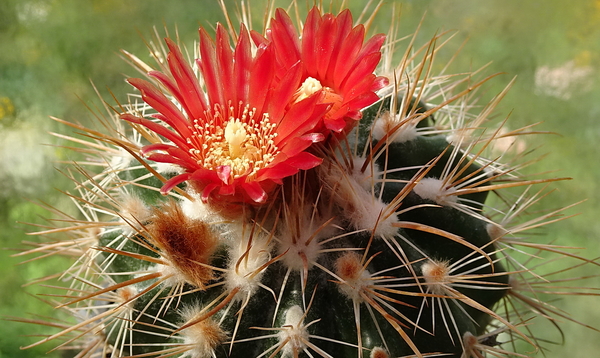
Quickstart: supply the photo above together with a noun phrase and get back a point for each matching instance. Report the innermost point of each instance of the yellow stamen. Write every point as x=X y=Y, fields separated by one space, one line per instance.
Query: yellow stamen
x=236 y=139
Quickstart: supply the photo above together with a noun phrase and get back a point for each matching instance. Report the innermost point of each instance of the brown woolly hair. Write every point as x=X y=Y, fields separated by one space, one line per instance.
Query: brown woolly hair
x=188 y=244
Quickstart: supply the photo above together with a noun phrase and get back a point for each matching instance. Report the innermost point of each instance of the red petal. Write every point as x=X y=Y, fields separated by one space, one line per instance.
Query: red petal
x=373 y=45
x=348 y=53
x=313 y=137
x=224 y=58
x=379 y=83
x=301 y=118
x=295 y=145
x=171 y=86
x=189 y=86
x=255 y=192
x=180 y=157
x=207 y=191
x=283 y=93
x=242 y=66
x=227 y=190
x=156 y=128
x=304 y=161
x=309 y=51
x=364 y=100
x=154 y=147
x=356 y=115
x=155 y=98
x=324 y=41
x=258 y=38
x=210 y=69
x=224 y=173
x=335 y=124
x=174 y=181
x=344 y=27
x=261 y=79
x=285 y=38
x=363 y=69
x=279 y=171
x=170 y=159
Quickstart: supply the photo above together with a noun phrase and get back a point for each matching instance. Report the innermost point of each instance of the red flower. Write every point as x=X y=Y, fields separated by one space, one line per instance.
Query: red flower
x=232 y=132
x=335 y=61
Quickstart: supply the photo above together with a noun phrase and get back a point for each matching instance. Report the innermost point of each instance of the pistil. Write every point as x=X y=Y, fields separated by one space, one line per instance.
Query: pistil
x=235 y=139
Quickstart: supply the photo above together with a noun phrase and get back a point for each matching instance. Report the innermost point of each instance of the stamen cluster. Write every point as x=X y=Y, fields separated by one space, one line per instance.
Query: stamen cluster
x=245 y=145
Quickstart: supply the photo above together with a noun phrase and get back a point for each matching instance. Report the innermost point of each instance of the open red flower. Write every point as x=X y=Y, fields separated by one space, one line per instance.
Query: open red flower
x=335 y=60
x=232 y=130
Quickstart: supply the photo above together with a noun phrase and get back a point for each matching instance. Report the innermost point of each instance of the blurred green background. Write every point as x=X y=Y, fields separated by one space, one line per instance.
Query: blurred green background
x=51 y=49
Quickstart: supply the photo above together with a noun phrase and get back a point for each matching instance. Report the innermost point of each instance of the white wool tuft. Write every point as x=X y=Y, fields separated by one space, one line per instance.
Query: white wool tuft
x=175 y=277
x=133 y=213
x=437 y=276
x=354 y=287
x=122 y=160
x=246 y=275
x=379 y=352
x=202 y=338
x=167 y=168
x=367 y=178
x=369 y=216
x=196 y=209
x=294 y=332
x=433 y=189
x=300 y=233
x=361 y=208
x=385 y=124
x=301 y=244
x=496 y=231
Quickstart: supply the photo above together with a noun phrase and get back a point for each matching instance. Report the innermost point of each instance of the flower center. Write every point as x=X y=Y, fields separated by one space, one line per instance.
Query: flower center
x=308 y=87
x=312 y=85
x=236 y=139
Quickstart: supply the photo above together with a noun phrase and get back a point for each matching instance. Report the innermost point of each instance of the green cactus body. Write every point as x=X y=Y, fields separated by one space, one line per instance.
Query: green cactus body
x=309 y=277
x=379 y=240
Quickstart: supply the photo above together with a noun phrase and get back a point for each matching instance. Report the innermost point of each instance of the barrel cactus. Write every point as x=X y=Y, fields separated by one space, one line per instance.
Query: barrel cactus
x=288 y=193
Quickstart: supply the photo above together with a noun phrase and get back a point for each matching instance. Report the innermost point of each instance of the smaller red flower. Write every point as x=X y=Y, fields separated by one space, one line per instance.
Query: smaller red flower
x=335 y=60
x=232 y=131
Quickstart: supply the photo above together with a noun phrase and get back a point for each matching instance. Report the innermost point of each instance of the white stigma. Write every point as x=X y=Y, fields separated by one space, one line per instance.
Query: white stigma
x=308 y=87
x=235 y=135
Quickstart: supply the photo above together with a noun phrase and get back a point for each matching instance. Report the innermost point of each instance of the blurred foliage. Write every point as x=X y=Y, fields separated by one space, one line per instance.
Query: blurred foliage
x=51 y=49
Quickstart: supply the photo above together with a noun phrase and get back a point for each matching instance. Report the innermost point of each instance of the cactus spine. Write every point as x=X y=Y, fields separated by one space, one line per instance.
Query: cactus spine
x=275 y=200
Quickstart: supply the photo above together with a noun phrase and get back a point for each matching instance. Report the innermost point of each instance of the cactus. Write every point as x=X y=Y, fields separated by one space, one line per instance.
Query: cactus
x=275 y=197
